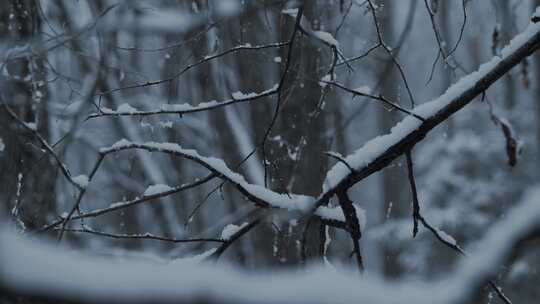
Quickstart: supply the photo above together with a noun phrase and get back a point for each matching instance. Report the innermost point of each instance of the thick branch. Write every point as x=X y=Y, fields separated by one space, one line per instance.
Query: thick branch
x=351 y=219
x=381 y=151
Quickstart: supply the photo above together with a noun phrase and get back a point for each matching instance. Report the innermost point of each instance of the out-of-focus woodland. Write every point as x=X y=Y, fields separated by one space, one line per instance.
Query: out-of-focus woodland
x=124 y=126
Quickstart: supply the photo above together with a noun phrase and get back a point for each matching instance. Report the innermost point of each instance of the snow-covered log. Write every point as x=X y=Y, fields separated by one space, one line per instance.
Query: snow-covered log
x=30 y=268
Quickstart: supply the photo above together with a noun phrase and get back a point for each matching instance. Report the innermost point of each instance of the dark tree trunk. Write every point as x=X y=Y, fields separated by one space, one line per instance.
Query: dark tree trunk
x=24 y=91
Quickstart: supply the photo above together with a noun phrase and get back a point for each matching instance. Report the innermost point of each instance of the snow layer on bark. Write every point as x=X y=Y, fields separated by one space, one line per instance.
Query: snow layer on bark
x=378 y=145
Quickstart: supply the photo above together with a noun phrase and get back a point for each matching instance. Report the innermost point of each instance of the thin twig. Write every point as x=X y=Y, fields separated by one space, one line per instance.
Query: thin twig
x=145 y=236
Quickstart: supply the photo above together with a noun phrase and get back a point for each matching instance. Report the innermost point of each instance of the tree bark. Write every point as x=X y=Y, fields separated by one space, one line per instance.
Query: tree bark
x=24 y=91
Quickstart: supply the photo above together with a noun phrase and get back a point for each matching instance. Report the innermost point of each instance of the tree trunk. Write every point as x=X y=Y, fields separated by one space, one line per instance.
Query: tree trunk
x=23 y=89
x=536 y=58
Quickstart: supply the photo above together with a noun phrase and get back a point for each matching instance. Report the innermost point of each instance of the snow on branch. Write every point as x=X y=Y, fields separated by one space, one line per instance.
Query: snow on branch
x=147 y=196
x=207 y=58
x=382 y=150
x=143 y=236
x=28 y=267
x=255 y=193
x=182 y=108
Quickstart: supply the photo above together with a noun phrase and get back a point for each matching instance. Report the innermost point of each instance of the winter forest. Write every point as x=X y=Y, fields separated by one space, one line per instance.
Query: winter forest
x=269 y=151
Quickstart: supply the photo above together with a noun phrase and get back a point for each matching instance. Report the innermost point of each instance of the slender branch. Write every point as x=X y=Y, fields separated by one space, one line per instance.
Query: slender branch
x=375 y=97
x=351 y=219
x=233 y=238
x=389 y=52
x=416 y=204
x=44 y=143
x=145 y=236
x=245 y=47
x=340 y=159
x=443 y=238
x=79 y=197
x=296 y=29
x=181 y=109
x=136 y=201
x=454 y=246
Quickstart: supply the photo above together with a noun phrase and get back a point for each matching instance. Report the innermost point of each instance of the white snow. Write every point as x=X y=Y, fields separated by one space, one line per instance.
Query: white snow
x=326 y=78
x=371 y=150
x=126 y=108
x=26 y=265
x=122 y=142
x=180 y=108
x=446 y=237
x=166 y=124
x=326 y=38
x=81 y=180
x=290 y=11
x=117 y=204
x=364 y=89
x=230 y=230
x=187 y=107
x=155 y=189
x=240 y=95
x=31 y=125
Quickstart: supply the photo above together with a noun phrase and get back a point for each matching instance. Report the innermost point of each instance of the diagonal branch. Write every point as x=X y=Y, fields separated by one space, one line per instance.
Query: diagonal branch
x=440 y=235
x=259 y=195
x=63 y=168
x=416 y=204
x=144 y=236
x=380 y=98
x=379 y=152
x=353 y=224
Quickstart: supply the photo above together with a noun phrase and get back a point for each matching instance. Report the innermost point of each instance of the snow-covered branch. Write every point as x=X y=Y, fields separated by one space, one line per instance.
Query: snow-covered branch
x=380 y=151
x=147 y=196
x=183 y=108
x=257 y=194
x=30 y=268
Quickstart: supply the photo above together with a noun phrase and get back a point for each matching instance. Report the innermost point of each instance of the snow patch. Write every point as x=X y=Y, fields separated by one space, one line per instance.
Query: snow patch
x=240 y=95
x=156 y=189
x=31 y=125
x=326 y=37
x=119 y=144
x=230 y=230
x=81 y=180
x=293 y=12
x=446 y=237
x=126 y=108
x=326 y=78
x=364 y=90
